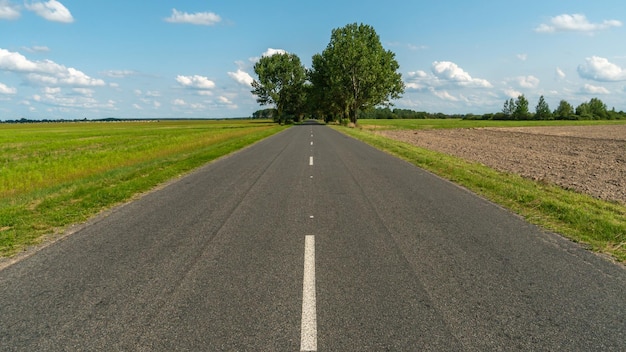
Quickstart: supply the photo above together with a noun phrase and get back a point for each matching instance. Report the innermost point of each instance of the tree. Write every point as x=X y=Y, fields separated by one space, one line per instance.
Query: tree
x=507 y=109
x=542 y=111
x=281 y=83
x=598 y=109
x=323 y=95
x=584 y=111
x=521 y=111
x=565 y=111
x=357 y=73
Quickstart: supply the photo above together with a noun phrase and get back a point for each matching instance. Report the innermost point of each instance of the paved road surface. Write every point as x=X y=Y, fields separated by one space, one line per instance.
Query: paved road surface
x=397 y=259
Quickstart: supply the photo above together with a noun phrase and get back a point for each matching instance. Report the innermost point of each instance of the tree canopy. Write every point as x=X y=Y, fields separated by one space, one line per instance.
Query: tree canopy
x=281 y=83
x=352 y=74
x=355 y=72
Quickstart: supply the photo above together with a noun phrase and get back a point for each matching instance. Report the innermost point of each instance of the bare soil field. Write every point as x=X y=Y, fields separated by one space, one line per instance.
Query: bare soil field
x=587 y=159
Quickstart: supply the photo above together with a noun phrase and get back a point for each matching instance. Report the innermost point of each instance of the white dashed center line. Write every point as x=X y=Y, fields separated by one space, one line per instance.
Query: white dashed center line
x=308 y=337
x=310 y=161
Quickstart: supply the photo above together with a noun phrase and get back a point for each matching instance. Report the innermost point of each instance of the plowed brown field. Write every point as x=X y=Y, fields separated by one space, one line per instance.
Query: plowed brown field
x=587 y=159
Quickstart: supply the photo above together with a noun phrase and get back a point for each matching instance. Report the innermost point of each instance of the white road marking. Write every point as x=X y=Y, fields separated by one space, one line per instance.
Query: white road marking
x=311 y=142
x=310 y=161
x=308 y=332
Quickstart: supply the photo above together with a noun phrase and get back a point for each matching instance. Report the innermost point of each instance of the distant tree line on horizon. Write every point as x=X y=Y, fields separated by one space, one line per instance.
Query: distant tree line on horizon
x=513 y=109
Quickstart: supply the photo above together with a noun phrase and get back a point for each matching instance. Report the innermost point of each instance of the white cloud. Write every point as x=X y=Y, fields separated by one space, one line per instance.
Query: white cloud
x=37 y=49
x=451 y=72
x=120 y=73
x=589 y=89
x=512 y=93
x=45 y=72
x=600 y=69
x=179 y=102
x=55 y=98
x=444 y=95
x=559 y=74
x=51 y=90
x=522 y=57
x=195 y=82
x=575 y=23
x=199 y=18
x=8 y=11
x=242 y=77
x=4 y=89
x=84 y=91
x=268 y=52
x=527 y=81
x=51 y=10
x=272 y=52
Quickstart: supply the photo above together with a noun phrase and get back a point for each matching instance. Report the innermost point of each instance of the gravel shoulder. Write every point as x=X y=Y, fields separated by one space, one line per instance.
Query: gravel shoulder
x=587 y=159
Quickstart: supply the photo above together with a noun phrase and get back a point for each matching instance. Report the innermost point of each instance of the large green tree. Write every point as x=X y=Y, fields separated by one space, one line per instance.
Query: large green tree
x=542 y=110
x=281 y=83
x=565 y=111
x=521 y=111
x=355 y=72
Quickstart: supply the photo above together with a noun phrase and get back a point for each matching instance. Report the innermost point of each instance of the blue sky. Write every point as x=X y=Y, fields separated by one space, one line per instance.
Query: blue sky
x=158 y=59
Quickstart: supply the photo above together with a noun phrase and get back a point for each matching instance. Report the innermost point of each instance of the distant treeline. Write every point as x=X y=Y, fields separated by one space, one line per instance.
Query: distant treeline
x=110 y=119
x=115 y=119
x=518 y=109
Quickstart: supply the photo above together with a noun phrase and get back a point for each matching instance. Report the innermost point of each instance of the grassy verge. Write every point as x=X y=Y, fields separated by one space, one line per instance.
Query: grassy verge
x=598 y=224
x=56 y=175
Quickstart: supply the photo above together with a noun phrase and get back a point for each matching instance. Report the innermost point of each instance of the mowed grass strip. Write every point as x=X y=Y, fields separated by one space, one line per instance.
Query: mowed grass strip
x=55 y=175
x=598 y=224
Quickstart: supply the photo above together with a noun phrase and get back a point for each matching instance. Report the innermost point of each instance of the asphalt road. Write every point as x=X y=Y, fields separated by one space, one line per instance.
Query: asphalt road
x=396 y=259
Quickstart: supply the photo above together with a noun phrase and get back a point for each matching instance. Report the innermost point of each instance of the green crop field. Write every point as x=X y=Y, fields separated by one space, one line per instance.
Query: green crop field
x=53 y=175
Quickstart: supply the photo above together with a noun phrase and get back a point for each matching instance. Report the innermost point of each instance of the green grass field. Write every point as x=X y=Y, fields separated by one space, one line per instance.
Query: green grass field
x=54 y=175
x=598 y=224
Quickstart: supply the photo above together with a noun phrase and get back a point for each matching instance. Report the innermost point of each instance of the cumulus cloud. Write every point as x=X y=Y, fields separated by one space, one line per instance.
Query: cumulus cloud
x=575 y=23
x=268 y=52
x=45 y=72
x=600 y=69
x=54 y=97
x=198 y=18
x=195 y=82
x=4 y=89
x=526 y=81
x=51 y=10
x=590 y=89
x=443 y=95
x=522 y=57
x=512 y=93
x=451 y=72
x=8 y=11
x=444 y=73
x=242 y=77
x=272 y=52
x=559 y=74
